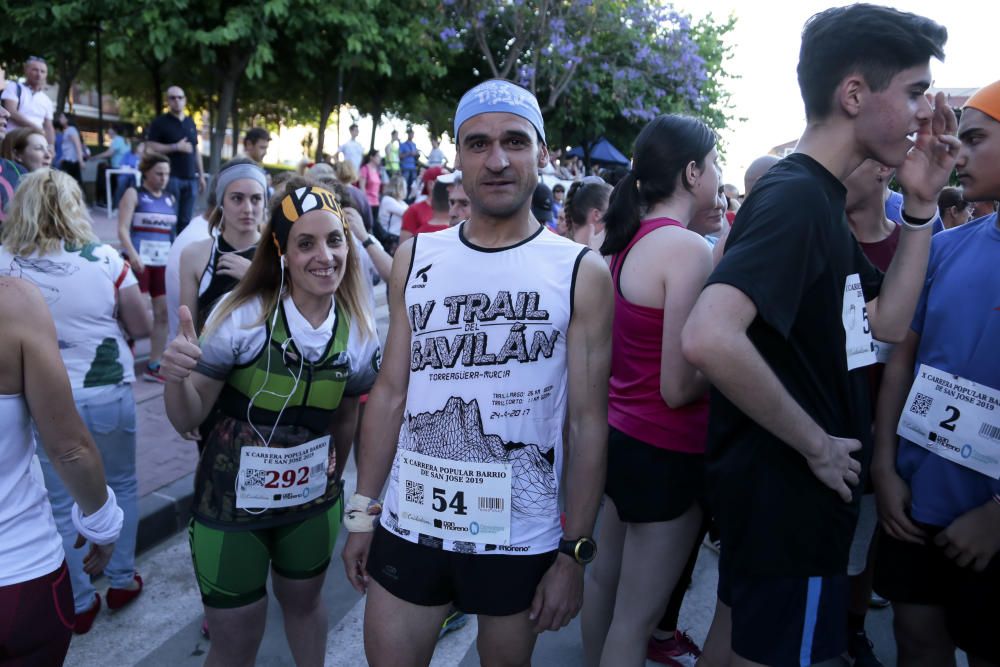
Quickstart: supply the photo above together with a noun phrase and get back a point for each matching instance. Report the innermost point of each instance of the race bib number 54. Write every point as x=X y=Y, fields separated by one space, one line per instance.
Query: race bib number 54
x=455 y=500
x=954 y=418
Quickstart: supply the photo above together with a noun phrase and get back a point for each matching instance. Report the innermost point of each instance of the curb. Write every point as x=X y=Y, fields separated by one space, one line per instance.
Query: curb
x=164 y=512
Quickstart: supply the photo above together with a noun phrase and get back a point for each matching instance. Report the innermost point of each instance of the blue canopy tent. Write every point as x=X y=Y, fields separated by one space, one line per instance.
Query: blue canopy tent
x=601 y=151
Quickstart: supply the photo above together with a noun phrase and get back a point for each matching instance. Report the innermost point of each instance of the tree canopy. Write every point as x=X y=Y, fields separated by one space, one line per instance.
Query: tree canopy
x=598 y=67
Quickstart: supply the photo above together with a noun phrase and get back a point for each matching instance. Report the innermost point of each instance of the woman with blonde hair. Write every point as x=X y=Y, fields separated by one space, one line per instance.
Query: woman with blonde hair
x=281 y=364
x=48 y=241
x=212 y=267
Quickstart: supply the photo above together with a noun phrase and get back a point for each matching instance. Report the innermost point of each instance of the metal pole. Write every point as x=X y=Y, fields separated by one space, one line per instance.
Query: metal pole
x=100 y=92
x=340 y=103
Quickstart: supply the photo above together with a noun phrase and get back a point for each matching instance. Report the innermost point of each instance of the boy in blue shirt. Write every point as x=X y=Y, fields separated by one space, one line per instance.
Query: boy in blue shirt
x=938 y=495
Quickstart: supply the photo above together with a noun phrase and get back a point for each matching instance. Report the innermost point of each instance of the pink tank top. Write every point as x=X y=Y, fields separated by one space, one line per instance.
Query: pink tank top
x=635 y=406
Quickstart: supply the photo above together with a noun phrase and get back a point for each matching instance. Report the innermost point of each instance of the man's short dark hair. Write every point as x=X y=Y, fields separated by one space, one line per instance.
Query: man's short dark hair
x=439 y=197
x=878 y=42
x=255 y=134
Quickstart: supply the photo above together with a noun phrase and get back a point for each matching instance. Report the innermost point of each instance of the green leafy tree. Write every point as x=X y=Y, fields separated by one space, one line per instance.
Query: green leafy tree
x=62 y=31
x=598 y=67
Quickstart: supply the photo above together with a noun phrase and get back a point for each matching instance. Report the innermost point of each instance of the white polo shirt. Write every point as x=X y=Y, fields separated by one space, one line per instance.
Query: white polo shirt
x=36 y=106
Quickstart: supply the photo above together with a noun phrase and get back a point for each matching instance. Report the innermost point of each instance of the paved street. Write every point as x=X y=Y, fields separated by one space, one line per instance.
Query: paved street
x=163 y=626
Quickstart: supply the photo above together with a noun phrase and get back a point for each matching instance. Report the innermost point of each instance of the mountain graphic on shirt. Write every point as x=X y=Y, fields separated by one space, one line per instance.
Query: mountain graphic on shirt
x=456 y=433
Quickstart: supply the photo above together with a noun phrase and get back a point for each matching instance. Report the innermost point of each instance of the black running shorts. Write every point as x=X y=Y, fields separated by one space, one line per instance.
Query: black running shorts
x=785 y=621
x=494 y=585
x=921 y=574
x=649 y=484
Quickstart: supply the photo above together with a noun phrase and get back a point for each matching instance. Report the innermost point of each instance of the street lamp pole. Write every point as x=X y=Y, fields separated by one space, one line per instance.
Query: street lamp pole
x=100 y=92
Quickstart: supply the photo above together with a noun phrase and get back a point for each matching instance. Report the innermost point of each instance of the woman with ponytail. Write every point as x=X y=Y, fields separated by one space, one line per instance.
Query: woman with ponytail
x=584 y=206
x=280 y=366
x=657 y=404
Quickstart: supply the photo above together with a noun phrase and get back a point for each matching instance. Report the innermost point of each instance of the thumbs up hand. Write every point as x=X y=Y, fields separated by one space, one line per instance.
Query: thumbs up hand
x=183 y=353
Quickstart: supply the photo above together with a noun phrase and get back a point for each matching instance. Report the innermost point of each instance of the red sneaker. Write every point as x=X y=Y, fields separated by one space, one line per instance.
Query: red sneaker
x=119 y=597
x=85 y=619
x=677 y=651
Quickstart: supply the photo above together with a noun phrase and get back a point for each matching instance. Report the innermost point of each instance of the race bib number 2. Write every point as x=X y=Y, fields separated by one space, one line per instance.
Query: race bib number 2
x=455 y=500
x=272 y=477
x=955 y=418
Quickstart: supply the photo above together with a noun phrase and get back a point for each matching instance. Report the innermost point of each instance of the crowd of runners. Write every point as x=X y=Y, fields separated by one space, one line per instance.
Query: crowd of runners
x=578 y=387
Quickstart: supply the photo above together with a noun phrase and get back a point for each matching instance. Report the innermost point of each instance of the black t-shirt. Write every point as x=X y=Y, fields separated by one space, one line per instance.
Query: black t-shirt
x=791 y=252
x=166 y=129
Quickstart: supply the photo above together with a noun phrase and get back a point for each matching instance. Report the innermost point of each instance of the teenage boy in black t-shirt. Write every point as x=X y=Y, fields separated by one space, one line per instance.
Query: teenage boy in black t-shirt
x=786 y=323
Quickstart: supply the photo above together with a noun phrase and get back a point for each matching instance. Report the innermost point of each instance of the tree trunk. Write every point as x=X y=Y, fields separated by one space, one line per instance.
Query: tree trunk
x=227 y=92
x=376 y=120
x=236 y=122
x=325 y=109
x=156 y=88
x=229 y=79
x=68 y=69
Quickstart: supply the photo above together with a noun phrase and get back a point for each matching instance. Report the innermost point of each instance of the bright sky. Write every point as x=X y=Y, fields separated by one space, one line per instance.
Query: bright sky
x=766 y=44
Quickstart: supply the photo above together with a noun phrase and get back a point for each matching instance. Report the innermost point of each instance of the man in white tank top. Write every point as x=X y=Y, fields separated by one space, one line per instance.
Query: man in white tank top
x=499 y=343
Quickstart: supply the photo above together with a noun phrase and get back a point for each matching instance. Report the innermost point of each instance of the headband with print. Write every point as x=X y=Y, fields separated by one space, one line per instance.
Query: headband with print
x=296 y=204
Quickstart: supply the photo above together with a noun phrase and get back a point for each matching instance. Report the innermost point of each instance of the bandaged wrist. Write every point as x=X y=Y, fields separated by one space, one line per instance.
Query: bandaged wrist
x=103 y=526
x=361 y=514
x=912 y=222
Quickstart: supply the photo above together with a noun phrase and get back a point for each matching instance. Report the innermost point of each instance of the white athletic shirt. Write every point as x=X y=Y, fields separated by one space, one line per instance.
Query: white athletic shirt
x=238 y=341
x=79 y=286
x=488 y=373
x=390 y=214
x=30 y=546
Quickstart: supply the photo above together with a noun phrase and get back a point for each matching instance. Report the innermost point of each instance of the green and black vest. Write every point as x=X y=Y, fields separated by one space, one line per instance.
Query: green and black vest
x=275 y=368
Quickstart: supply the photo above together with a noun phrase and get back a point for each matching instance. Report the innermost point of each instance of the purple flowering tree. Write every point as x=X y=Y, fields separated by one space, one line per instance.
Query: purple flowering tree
x=598 y=67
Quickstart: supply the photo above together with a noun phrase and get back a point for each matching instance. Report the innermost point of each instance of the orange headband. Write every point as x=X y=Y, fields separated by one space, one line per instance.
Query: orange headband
x=987 y=100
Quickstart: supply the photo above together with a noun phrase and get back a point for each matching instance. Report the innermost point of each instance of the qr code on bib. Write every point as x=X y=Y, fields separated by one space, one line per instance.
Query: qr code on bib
x=414 y=492
x=921 y=404
x=254 y=478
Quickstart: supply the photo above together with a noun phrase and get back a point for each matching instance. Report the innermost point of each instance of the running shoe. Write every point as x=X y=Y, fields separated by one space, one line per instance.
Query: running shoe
x=85 y=619
x=860 y=651
x=878 y=602
x=453 y=621
x=152 y=374
x=677 y=651
x=119 y=597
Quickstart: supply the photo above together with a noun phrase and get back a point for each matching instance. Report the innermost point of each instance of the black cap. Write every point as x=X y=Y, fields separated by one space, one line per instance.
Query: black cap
x=541 y=203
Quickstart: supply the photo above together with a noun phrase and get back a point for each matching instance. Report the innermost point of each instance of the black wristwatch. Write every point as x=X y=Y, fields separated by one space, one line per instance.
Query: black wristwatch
x=583 y=550
x=368 y=241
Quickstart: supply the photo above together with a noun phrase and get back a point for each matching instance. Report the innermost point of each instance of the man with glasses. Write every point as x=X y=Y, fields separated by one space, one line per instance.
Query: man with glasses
x=175 y=135
x=27 y=103
x=955 y=211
